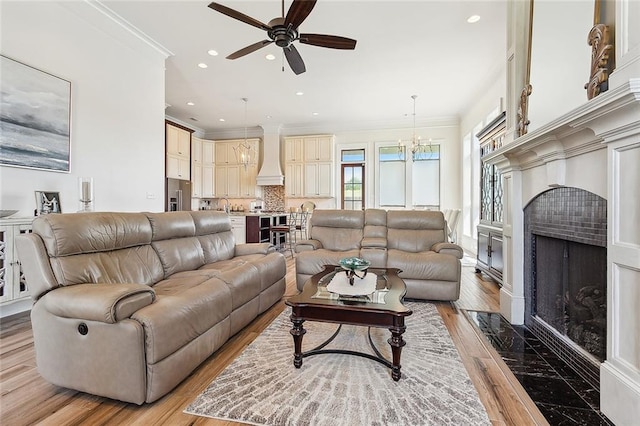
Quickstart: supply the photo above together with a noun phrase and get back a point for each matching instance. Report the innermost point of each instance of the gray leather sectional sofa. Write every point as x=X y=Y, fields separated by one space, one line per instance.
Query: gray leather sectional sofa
x=414 y=241
x=128 y=304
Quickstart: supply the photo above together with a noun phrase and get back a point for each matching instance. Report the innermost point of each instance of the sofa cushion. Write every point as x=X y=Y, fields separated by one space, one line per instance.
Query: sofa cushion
x=337 y=229
x=75 y=233
x=217 y=247
x=170 y=225
x=129 y=265
x=425 y=266
x=185 y=308
x=414 y=231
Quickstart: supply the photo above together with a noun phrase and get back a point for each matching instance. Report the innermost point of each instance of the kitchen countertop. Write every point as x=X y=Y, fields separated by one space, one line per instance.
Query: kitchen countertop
x=248 y=213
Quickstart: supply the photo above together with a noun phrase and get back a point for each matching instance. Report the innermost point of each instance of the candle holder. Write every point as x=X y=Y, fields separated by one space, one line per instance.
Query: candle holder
x=85 y=191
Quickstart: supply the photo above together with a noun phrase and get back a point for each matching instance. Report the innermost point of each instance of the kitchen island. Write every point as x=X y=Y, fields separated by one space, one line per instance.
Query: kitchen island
x=254 y=227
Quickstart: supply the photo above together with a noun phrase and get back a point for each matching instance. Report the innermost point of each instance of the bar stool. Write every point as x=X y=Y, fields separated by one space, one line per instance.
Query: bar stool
x=282 y=236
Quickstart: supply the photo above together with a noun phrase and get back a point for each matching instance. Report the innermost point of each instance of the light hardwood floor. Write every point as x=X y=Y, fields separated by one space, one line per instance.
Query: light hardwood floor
x=26 y=399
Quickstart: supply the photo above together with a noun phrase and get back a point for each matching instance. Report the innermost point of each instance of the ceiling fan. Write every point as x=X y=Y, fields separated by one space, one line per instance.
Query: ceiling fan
x=283 y=31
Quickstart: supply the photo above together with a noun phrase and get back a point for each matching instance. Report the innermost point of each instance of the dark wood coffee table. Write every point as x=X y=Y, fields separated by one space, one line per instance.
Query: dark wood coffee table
x=382 y=309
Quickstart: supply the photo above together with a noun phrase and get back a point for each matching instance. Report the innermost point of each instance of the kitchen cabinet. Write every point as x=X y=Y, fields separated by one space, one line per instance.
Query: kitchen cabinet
x=14 y=292
x=202 y=168
x=178 y=141
x=312 y=177
x=227 y=180
x=258 y=229
x=318 y=148
x=248 y=177
x=294 y=150
x=178 y=152
x=238 y=228
x=489 y=230
x=294 y=177
x=318 y=179
x=231 y=178
x=178 y=167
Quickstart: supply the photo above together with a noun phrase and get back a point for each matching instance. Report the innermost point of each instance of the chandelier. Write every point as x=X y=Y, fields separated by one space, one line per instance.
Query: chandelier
x=245 y=153
x=416 y=146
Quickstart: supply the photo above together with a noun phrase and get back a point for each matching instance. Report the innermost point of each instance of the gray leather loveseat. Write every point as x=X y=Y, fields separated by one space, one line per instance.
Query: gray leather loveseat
x=128 y=304
x=414 y=241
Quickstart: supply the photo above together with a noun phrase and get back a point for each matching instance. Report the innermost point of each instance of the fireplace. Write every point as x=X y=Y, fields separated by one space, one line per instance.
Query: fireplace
x=566 y=276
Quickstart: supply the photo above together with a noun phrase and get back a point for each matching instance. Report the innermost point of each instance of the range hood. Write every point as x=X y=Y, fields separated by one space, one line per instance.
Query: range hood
x=271 y=173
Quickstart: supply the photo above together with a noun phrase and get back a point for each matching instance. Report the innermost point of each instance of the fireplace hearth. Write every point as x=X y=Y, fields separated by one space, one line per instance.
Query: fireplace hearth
x=566 y=276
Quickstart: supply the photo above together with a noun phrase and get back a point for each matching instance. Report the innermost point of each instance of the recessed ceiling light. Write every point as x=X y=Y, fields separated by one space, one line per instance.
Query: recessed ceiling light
x=221 y=119
x=270 y=56
x=268 y=117
x=473 y=19
x=202 y=65
x=212 y=52
x=299 y=93
x=190 y=103
x=315 y=113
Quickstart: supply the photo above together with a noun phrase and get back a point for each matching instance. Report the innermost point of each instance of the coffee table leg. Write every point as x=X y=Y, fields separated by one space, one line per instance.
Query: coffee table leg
x=297 y=332
x=397 y=342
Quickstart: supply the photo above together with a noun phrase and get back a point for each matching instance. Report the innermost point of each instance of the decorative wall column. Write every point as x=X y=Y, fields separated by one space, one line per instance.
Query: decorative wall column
x=512 y=300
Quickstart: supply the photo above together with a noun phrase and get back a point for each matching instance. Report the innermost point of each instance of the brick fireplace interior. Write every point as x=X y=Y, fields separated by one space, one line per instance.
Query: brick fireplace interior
x=566 y=276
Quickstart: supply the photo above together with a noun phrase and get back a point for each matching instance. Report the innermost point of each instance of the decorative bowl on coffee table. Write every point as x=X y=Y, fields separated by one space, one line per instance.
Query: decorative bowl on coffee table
x=353 y=264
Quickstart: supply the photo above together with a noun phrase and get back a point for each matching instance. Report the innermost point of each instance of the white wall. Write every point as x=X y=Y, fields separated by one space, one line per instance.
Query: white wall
x=486 y=106
x=117 y=106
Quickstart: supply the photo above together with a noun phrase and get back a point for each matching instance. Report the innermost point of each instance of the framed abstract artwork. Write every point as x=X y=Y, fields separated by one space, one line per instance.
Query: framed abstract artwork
x=35 y=118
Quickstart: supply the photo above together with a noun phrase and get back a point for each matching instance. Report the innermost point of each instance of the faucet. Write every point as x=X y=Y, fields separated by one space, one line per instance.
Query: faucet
x=226 y=206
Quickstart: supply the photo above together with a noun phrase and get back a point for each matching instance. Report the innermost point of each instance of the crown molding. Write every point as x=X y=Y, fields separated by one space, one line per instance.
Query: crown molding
x=112 y=24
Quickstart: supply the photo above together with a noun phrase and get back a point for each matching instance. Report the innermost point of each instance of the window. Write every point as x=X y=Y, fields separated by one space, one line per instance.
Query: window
x=426 y=178
x=352 y=179
x=392 y=177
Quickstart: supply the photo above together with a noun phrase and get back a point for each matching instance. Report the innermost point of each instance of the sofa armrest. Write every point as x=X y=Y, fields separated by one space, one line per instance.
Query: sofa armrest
x=253 y=248
x=308 y=245
x=374 y=242
x=108 y=303
x=448 y=248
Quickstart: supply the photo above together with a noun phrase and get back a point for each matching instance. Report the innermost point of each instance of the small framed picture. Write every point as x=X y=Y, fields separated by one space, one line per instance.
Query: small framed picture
x=47 y=202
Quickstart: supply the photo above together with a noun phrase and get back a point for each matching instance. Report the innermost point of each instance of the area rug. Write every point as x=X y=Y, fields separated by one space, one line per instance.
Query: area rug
x=262 y=387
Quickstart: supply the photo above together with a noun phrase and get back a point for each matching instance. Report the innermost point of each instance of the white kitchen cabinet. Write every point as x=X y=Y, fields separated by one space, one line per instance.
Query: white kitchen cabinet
x=208 y=181
x=318 y=179
x=227 y=180
x=239 y=228
x=318 y=148
x=178 y=141
x=248 y=177
x=231 y=178
x=178 y=167
x=14 y=293
x=178 y=152
x=312 y=177
x=202 y=168
x=294 y=177
x=294 y=150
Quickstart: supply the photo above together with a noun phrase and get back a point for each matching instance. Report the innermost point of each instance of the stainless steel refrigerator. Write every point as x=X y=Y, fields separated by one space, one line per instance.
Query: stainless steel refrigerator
x=178 y=195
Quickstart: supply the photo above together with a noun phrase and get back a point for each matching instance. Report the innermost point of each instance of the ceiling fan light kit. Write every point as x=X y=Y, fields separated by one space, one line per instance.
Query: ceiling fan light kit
x=283 y=31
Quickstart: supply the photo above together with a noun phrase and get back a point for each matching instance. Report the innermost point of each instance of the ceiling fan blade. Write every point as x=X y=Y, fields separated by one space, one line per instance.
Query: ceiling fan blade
x=295 y=60
x=298 y=12
x=239 y=16
x=251 y=48
x=331 y=41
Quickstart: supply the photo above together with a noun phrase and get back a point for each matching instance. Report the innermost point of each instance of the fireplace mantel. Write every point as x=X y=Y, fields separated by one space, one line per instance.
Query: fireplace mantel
x=595 y=147
x=608 y=117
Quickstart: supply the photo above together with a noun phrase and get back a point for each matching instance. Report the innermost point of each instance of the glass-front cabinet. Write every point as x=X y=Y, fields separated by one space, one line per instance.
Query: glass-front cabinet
x=489 y=257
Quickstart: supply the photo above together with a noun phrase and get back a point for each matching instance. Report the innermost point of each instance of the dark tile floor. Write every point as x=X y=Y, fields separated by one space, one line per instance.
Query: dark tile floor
x=562 y=396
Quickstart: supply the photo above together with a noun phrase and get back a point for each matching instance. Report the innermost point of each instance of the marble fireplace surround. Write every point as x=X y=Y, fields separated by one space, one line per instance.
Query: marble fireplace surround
x=595 y=147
